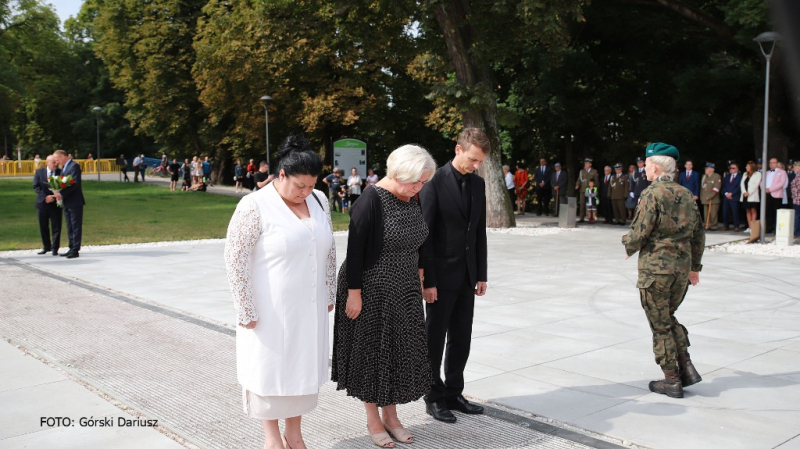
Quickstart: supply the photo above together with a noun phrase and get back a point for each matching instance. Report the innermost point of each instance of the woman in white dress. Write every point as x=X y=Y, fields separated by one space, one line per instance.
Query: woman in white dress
x=354 y=185
x=372 y=178
x=281 y=262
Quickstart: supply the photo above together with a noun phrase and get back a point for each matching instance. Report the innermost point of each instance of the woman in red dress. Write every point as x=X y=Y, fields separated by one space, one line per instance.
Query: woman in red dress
x=521 y=187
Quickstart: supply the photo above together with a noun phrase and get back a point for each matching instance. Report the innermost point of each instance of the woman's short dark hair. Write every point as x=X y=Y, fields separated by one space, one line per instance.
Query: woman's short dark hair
x=297 y=158
x=521 y=165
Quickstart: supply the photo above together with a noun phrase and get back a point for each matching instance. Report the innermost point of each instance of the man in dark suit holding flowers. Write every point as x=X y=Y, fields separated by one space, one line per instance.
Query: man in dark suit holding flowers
x=72 y=196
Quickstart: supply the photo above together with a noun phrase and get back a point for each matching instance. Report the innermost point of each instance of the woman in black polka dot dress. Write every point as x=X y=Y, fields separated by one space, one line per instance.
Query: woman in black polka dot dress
x=380 y=351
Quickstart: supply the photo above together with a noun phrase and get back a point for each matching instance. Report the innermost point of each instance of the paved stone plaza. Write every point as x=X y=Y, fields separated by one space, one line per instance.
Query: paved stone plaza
x=560 y=335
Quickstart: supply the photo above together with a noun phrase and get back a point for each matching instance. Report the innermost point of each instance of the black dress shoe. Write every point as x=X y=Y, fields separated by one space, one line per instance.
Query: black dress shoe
x=43 y=251
x=464 y=406
x=65 y=254
x=72 y=255
x=55 y=252
x=440 y=412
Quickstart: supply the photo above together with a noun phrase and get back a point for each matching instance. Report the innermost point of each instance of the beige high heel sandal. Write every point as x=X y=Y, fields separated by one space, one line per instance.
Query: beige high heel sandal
x=380 y=439
x=401 y=434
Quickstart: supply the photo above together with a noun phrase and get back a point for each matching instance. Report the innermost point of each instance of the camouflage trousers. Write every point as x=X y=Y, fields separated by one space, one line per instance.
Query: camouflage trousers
x=661 y=295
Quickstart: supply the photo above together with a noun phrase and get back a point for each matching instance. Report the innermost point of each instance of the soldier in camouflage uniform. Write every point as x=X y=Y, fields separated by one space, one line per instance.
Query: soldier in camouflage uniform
x=667 y=231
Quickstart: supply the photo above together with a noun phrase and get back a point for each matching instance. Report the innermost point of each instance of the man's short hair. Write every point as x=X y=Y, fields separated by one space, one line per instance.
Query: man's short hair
x=59 y=153
x=262 y=164
x=474 y=136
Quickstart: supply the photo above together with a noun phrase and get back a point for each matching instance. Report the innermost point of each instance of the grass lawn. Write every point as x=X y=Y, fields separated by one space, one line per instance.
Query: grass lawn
x=123 y=213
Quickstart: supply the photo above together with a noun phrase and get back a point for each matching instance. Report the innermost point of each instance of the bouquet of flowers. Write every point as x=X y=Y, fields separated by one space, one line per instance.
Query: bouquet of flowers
x=60 y=182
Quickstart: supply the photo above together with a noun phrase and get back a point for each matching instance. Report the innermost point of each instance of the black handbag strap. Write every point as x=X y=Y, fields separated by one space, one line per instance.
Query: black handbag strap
x=318 y=201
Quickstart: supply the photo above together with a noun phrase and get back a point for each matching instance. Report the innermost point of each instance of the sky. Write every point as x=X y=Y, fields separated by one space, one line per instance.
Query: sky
x=66 y=8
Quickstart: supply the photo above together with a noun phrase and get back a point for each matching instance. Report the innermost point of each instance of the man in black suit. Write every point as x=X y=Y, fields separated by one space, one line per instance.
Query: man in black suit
x=541 y=178
x=454 y=207
x=605 y=195
x=72 y=196
x=640 y=181
x=559 y=182
x=46 y=207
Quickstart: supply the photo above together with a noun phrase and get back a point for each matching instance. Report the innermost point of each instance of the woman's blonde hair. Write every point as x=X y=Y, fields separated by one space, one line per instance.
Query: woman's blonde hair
x=408 y=163
x=666 y=164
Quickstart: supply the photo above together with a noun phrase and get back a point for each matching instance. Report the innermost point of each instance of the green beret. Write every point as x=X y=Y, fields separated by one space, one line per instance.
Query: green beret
x=661 y=149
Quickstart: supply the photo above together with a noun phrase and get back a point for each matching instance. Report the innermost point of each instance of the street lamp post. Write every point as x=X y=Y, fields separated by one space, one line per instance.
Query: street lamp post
x=264 y=100
x=769 y=38
x=96 y=111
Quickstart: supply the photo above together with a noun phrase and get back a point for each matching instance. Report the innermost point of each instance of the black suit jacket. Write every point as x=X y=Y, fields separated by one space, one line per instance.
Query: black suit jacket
x=73 y=195
x=605 y=187
x=42 y=187
x=539 y=178
x=640 y=183
x=561 y=183
x=456 y=243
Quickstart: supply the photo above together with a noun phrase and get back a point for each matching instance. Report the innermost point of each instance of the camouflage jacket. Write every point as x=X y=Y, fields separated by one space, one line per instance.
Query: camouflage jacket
x=667 y=230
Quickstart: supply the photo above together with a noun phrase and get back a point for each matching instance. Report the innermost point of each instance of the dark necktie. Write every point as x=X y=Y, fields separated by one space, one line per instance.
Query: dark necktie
x=465 y=194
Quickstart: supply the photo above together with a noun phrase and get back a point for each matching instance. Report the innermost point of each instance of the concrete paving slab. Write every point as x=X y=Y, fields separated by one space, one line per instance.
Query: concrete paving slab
x=794 y=443
x=19 y=370
x=560 y=307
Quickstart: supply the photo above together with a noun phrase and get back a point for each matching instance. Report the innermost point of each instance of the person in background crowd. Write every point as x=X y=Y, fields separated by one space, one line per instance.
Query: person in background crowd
x=790 y=174
x=591 y=196
x=541 y=179
x=262 y=176
x=143 y=166
x=36 y=161
x=509 y=180
x=559 y=181
x=586 y=175
x=691 y=180
x=630 y=201
x=618 y=193
x=252 y=168
x=137 y=167
x=207 y=172
x=776 y=180
x=47 y=211
x=198 y=170
x=605 y=196
x=521 y=182
x=238 y=175
x=89 y=157
x=731 y=194
x=379 y=352
x=668 y=235
x=785 y=204
x=354 y=185
x=759 y=165
x=202 y=187
x=750 y=187
x=175 y=174
x=640 y=180
x=164 y=162
x=187 y=175
x=72 y=197
x=344 y=199
x=334 y=183
x=122 y=163
x=280 y=258
x=710 y=187
x=795 y=188
x=372 y=178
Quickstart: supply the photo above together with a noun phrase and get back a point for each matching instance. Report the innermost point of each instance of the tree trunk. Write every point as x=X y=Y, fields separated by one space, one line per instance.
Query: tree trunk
x=453 y=20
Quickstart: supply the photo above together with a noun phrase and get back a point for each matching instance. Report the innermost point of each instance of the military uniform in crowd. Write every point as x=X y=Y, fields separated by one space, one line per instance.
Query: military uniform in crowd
x=583 y=183
x=640 y=181
x=668 y=234
x=618 y=193
x=710 y=186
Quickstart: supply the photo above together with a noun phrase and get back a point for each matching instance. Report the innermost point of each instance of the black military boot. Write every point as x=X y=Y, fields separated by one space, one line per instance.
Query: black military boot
x=670 y=386
x=689 y=374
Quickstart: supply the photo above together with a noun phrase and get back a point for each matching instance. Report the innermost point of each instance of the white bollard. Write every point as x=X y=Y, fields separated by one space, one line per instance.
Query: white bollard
x=784 y=229
x=566 y=213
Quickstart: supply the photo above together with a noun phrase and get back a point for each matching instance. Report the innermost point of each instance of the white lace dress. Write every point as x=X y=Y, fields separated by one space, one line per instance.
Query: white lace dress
x=282 y=361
